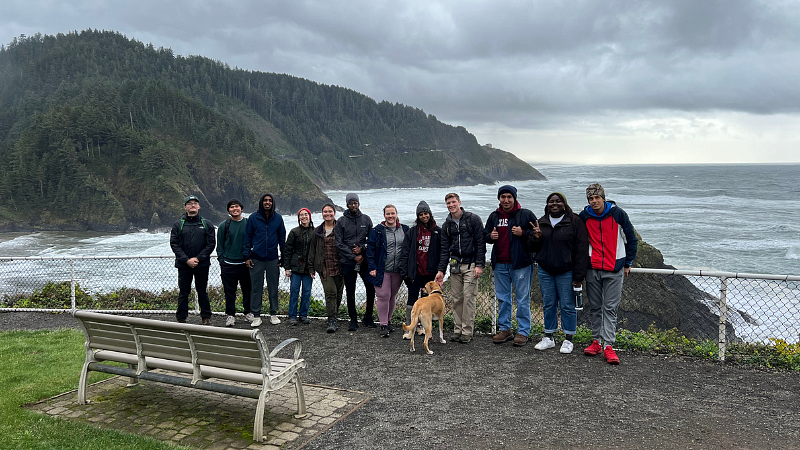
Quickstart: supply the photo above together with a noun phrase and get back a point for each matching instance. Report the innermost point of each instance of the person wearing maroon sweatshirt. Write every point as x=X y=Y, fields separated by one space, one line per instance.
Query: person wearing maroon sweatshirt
x=508 y=228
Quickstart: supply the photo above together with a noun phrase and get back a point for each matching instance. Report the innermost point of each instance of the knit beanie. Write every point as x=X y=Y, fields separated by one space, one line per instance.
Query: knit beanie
x=351 y=196
x=595 y=189
x=423 y=207
x=507 y=188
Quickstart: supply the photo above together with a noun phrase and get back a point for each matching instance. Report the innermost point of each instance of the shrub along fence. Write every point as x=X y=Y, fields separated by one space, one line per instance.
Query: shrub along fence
x=718 y=315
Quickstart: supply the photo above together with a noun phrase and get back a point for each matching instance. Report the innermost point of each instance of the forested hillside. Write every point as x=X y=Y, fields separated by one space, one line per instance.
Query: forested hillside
x=99 y=131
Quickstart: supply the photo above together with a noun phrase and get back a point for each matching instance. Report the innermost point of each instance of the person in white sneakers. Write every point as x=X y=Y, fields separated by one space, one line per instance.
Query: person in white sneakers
x=264 y=235
x=232 y=267
x=561 y=244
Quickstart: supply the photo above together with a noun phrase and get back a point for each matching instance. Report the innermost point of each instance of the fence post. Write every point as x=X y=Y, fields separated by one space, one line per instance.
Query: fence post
x=72 y=285
x=196 y=302
x=723 y=315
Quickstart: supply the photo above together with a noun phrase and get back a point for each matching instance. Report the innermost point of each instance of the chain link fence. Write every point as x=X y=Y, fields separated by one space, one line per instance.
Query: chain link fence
x=710 y=312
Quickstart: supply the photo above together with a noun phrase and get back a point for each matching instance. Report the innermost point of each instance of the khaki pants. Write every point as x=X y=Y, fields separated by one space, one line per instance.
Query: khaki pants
x=464 y=292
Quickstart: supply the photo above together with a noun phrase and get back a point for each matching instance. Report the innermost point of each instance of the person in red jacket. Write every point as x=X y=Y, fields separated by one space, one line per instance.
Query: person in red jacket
x=612 y=249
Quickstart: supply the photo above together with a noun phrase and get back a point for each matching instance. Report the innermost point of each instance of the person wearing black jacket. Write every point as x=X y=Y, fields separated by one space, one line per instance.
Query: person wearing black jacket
x=192 y=240
x=297 y=268
x=418 y=264
x=508 y=228
x=351 y=233
x=464 y=250
x=561 y=244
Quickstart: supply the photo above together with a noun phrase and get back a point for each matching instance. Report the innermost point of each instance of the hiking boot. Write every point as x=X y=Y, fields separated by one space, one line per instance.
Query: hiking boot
x=593 y=349
x=206 y=321
x=408 y=335
x=369 y=323
x=391 y=327
x=465 y=339
x=566 y=347
x=249 y=317
x=545 y=343
x=503 y=336
x=256 y=322
x=520 y=340
x=305 y=320
x=182 y=320
x=292 y=321
x=353 y=325
x=230 y=321
x=384 y=331
x=273 y=319
x=611 y=355
x=455 y=337
x=332 y=326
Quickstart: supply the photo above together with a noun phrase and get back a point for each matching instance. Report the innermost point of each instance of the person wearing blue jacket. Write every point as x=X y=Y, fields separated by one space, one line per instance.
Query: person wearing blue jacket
x=508 y=228
x=384 y=248
x=264 y=235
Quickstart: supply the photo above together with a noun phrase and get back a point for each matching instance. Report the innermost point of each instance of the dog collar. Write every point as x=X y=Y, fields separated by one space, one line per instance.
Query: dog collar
x=436 y=291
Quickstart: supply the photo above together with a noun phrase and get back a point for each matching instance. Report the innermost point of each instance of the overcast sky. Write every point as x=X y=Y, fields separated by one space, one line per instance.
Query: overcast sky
x=551 y=81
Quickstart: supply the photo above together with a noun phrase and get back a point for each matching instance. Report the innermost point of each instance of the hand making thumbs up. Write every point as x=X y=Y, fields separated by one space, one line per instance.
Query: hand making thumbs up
x=494 y=235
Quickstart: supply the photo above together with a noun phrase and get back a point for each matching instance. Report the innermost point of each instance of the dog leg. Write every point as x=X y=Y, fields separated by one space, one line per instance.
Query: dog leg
x=428 y=333
x=441 y=333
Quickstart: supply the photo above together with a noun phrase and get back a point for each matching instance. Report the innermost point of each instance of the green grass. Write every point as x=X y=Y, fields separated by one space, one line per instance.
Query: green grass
x=40 y=364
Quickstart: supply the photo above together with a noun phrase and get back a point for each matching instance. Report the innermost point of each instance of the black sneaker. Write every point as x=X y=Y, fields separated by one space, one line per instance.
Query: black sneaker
x=369 y=323
x=353 y=325
x=305 y=320
x=206 y=321
x=384 y=331
x=391 y=328
x=182 y=320
x=293 y=321
x=332 y=326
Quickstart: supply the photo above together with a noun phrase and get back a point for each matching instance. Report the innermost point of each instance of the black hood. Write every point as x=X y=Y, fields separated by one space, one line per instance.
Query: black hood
x=264 y=213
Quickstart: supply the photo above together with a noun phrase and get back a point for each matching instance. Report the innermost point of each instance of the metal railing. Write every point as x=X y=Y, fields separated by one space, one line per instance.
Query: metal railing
x=721 y=306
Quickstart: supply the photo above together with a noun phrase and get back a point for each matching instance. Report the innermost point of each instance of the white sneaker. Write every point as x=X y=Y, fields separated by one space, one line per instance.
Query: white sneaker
x=566 y=347
x=545 y=343
x=256 y=322
x=250 y=317
x=230 y=321
x=273 y=319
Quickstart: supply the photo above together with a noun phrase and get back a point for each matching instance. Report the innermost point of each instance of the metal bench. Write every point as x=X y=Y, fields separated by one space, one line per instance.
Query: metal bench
x=202 y=351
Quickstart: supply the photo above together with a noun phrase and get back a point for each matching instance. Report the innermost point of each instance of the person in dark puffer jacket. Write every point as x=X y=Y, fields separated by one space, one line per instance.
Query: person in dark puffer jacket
x=419 y=259
x=296 y=264
x=562 y=251
x=192 y=240
x=351 y=232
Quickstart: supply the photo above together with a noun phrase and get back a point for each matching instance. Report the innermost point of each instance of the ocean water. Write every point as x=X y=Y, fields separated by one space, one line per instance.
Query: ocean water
x=736 y=218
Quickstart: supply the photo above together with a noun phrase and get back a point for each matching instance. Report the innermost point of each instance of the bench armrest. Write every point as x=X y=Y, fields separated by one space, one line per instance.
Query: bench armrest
x=297 y=347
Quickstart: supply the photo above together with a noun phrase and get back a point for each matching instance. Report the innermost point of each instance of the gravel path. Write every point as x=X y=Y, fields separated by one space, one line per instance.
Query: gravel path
x=482 y=395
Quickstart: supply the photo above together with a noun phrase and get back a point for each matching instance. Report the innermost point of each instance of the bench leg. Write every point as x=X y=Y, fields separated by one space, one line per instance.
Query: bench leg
x=258 y=425
x=82 y=384
x=301 y=398
x=132 y=381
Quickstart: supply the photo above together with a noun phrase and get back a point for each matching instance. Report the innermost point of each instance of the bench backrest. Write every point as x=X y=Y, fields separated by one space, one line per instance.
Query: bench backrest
x=227 y=348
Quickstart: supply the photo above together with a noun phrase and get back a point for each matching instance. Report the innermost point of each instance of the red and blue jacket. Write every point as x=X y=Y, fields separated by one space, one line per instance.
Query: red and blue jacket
x=612 y=240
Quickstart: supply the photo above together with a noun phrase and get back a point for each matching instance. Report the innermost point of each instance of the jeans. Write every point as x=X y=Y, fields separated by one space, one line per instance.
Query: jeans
x=200 y=275
x=504 y=278
x=557 y=294
x=604 y=290
x=416 y=285
x=350 y=275
x=305 y=301
x=260 y=268
x=233 y=274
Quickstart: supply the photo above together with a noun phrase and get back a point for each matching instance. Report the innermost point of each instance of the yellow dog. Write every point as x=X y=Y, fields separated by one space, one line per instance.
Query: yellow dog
x=424 y=310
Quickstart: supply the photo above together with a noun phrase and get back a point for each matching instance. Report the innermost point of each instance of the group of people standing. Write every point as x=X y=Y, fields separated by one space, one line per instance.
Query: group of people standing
x=597 y=246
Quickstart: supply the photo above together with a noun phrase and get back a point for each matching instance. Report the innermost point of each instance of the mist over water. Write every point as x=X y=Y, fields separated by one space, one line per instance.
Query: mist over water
x=738 y=218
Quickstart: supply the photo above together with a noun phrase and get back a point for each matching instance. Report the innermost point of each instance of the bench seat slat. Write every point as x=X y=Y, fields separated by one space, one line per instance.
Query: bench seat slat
x=100 y=342
x=150 y=341
x=228 y=362
x=127 y=335
x=112 y=327
x=160 y=334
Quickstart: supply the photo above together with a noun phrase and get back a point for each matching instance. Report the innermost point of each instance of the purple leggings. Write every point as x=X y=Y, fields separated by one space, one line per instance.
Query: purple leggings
x=385 y=296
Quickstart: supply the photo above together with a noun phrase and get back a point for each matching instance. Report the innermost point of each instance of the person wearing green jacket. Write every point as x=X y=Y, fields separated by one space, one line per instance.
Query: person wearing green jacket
x=232 y=267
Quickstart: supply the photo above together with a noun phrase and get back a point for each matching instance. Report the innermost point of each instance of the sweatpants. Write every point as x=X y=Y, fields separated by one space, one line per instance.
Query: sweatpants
x=604 y=290
x=386 y=296
x=272 y=271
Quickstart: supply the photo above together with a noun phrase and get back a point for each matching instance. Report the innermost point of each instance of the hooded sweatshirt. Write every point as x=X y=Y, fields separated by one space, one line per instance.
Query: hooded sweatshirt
x=264 y=234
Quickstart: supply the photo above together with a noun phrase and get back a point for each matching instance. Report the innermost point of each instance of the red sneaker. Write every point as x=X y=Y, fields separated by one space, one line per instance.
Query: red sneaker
x=611 y=355
x=593 y=349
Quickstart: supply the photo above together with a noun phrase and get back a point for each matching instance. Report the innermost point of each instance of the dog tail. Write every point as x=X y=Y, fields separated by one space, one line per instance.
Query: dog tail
x=414 y=320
